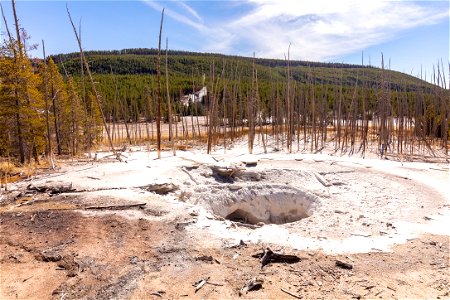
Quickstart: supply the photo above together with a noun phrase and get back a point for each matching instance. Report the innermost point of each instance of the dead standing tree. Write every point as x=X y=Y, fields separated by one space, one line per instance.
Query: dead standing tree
x=169 y=105
x=97 y=95
x=158 y=96
x=47 y=117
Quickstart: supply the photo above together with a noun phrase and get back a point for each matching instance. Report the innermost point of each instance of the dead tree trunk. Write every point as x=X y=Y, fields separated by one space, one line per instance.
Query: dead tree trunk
x=169 y=105
x=97 y=95
x=158 y=75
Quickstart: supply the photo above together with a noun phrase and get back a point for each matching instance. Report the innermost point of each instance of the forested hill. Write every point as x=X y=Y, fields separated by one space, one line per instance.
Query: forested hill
x=185 y=64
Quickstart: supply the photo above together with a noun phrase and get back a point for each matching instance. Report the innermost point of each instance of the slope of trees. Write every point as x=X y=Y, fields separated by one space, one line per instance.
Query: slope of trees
x=143 y=61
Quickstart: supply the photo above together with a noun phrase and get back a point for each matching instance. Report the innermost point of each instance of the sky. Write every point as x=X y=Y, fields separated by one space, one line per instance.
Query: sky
x=412 y=35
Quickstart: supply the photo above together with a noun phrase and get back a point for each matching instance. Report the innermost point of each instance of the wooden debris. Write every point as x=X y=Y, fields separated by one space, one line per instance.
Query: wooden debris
x=158 y=293
x=185 y=170
x=161 y=188
x=207 y=258
x=118 y=207
x=268 y=256
x=199 y=284
x=251 y=226
x=251 y=163
x=241 y=244
x=343 y=265
x=322 y=180
x=215 y=283
x=227 y=172
x=291 y=294
x=52 y=189
x=251 y=285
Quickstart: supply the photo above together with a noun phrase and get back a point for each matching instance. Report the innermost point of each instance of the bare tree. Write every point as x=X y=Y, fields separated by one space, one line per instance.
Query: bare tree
x=97 y=95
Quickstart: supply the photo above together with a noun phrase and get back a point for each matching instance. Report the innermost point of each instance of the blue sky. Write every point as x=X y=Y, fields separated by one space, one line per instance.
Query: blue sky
x=411 y=34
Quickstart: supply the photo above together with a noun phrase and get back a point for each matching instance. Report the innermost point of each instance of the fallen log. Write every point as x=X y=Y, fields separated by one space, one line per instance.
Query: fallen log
x=268 y=256
x=118 y=207
x=161 y=188
x=199 y=284
x=291 y=294
x=52 y=189
x=251 y=285
x=227 y=172
x=343 y=265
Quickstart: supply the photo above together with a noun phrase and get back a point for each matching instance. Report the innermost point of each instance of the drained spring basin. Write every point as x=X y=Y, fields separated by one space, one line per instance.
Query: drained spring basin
x=268 y=205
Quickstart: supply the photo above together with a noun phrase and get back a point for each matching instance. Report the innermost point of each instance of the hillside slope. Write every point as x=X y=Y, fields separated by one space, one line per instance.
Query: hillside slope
x=188 y=64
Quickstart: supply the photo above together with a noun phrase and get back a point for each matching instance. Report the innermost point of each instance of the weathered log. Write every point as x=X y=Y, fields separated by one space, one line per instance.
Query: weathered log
x=199 y=284
x=161 y=188
x=226 y=171
x=118 y=207
x=268 y=256
x=343 y=265
x=52 y=189
x=251 y=285
x=291 y=294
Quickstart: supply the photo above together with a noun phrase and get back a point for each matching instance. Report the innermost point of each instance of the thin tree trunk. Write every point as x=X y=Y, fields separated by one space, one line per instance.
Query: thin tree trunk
x=158 y=75
x=47 y=117
x=169 y=105
x=97 y=95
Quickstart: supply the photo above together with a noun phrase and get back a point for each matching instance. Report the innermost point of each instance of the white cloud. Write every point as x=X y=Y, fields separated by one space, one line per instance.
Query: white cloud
x=176 y=15
x=190 y=10
x=318 y=30
x=211 y=38
x=323 y=29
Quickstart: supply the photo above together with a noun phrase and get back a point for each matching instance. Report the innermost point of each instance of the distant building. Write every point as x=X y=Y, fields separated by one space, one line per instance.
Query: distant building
x=195 y=97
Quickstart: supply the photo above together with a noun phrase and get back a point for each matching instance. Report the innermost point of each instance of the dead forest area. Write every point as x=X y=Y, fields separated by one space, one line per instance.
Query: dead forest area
x=46 y=110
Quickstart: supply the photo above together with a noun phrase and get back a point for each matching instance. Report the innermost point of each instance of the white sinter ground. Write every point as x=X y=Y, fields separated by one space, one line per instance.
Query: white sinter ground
x=338 y=204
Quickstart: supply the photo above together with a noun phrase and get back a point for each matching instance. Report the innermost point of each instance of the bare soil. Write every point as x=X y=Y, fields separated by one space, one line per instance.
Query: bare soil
x=63 y=254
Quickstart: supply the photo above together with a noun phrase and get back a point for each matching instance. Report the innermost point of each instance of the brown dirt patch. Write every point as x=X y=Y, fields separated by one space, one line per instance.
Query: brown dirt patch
x=62 y=253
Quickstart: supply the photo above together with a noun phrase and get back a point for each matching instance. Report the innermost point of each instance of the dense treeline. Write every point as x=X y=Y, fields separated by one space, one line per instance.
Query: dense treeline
x=143 y=61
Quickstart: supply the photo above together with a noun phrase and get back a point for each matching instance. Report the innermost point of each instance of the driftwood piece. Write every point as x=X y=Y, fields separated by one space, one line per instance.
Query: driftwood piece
x=239 y=245
x=250 y=163
x=185 y=170
x=291 y=294
x=161 y=188
x=158 y=294
x=52 y=189
x=215 y=283
x=118 y=207
x=322 y=180
x=207 y=258
x=343 y=265
x=226 y=171
x=251 y=226
x=268 y=256
x=199 y=284
x=253 y=284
